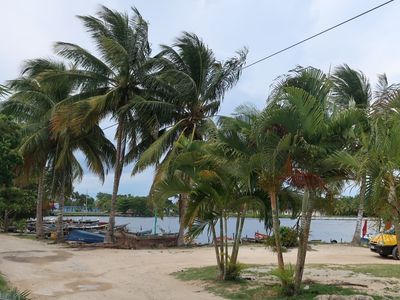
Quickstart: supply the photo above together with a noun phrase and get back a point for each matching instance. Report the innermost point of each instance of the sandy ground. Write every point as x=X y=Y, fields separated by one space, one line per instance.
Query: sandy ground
x=58 y=272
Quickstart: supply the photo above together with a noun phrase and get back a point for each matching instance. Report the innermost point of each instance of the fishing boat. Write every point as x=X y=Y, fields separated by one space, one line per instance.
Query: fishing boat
x=260 y=237
x=128 y=240
x=83 y=236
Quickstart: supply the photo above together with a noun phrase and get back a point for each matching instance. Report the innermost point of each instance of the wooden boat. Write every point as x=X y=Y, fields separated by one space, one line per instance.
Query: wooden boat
x=83 y=236
x=128 y=240
x=260 y=237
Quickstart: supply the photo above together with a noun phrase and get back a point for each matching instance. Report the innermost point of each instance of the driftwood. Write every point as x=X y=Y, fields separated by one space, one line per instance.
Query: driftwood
x=126 y=240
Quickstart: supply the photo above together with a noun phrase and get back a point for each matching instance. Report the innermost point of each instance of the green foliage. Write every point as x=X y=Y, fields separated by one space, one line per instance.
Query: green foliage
x=14 y=294
x=234 y=270
x=9 y=156
x=20 y=225
x=135 y=205
x=7 y=293
x=77 y=199
x=286 y=276
x=16 y=204
x=103 y=201
x=346 y=206
x=289 y=238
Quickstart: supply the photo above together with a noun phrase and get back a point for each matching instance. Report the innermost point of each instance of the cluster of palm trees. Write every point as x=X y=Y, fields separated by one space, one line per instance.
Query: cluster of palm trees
x=152 y=99
x=316 y=132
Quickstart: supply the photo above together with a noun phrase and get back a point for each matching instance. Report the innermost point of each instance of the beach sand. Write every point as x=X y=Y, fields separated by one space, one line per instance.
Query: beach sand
x=60 y=272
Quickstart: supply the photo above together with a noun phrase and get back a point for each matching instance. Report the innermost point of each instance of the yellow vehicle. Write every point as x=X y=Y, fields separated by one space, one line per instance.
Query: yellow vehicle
x=385 y=244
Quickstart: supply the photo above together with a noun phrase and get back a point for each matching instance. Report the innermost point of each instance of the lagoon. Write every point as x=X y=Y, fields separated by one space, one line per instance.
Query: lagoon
x=324 y=229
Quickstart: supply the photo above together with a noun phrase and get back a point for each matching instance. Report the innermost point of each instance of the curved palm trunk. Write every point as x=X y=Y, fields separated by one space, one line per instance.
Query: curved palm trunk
x=276 y=228
x=357 y=233
x=183 y=199
x=393 y=200
x=60 y=219
x=119 y=162
x=239 y=228
x=306 y=214
x=39 y=205
x=217 y=253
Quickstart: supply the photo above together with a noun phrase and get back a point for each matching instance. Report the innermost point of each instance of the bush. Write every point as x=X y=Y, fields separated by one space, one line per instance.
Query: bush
x=289 y=238
x=233 y=271
x=286 y=277
x=14 y=294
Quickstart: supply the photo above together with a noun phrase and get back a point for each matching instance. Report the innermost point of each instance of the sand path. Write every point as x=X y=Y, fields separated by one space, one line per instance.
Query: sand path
x=58 y=272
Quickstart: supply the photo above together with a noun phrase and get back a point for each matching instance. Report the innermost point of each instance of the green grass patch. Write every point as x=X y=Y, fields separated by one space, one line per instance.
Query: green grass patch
x=3 y=284
x=258 y=289
x=388 y=271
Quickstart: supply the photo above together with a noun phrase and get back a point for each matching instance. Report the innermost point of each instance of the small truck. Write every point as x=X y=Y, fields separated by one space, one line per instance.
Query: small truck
x=385 y=244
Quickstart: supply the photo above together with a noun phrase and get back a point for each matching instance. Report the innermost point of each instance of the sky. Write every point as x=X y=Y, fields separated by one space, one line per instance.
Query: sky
x=28 y=29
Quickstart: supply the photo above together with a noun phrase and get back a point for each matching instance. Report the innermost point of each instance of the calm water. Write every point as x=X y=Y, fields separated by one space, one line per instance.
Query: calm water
x=321 y=229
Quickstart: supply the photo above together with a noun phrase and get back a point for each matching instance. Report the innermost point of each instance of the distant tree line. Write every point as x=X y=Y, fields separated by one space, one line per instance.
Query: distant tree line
x=139 y=206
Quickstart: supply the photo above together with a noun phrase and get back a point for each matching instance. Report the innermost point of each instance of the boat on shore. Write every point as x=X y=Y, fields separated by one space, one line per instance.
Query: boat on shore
x=82 y=236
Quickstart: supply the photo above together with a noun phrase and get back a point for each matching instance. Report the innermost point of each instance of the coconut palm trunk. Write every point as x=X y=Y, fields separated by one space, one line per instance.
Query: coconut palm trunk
x=119 y=162
x=306 y=214
x=276 y=228
x=217 y=253
x=60 y=219
x=39 y=205
x=183 y=199
x=239 y=228
x=357 y=233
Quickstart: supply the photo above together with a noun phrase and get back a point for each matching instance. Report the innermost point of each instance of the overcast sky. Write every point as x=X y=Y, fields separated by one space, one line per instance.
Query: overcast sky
x=28 y=29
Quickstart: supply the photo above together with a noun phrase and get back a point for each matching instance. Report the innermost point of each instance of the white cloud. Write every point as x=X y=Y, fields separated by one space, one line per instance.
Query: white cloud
x=28 y=29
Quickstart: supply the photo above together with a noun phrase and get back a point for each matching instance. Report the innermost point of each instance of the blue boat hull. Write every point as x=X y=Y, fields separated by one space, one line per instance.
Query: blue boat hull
x=85 y=237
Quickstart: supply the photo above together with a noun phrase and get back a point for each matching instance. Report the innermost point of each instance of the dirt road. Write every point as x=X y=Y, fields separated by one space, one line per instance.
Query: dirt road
x=58 y=272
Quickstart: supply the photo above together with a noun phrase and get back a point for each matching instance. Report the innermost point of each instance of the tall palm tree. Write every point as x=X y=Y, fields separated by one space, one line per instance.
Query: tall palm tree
x=191 y=83
x=109 y=84
x=99 y=153
x=383 y=165
x=350 y=86
x=33 y=103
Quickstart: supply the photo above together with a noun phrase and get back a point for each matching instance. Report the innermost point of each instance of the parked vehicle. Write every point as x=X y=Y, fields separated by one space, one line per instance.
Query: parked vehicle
x=385 y=244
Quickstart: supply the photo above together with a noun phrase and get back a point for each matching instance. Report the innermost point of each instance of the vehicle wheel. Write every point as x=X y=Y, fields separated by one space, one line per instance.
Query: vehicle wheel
x=395 y=253
x=383 y=255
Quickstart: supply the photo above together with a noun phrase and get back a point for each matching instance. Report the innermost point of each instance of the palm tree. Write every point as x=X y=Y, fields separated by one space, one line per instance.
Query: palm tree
x=216 y=190
x=350 y=86
x=384 y=159
x=33 y=103
x=109 y=84
x=191 y=83
x=98 y=151
x=303 y=99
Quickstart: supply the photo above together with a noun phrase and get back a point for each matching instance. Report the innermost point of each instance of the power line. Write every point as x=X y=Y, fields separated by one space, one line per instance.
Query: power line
x=105 y=128
x=305 y=40
x=315 y=35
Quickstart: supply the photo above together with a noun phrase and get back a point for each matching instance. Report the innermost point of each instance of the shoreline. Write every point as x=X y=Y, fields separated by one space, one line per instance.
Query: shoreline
x=60 y=272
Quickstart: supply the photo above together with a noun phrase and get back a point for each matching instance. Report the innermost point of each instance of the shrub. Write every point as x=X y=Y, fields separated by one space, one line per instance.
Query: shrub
x=233 y=271
x=289 y=238
x=14 y=294
x=286 y=277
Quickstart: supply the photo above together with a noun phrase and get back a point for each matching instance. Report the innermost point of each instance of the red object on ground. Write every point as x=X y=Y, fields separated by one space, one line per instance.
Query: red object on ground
x=364 y=229
x=260 y=236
